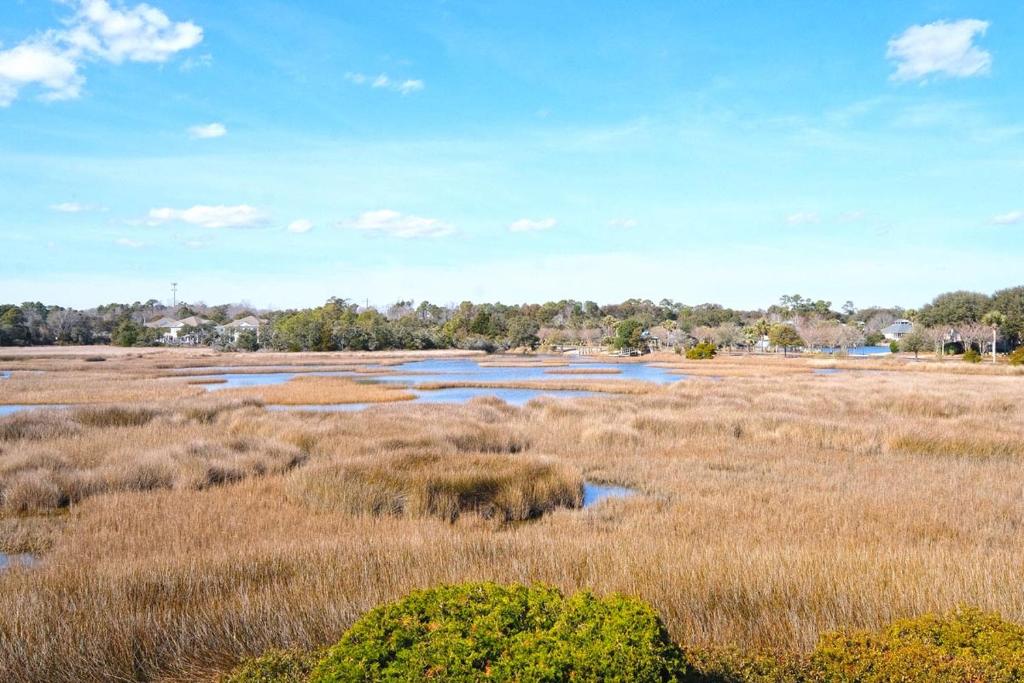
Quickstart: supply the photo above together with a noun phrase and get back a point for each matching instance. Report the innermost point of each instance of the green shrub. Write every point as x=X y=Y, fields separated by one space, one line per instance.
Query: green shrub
x=276 y=666
x=965 y=646
x=702 y=351
x=894 y=346
x=1017 y=357
x=504 y=633
x=972 y=356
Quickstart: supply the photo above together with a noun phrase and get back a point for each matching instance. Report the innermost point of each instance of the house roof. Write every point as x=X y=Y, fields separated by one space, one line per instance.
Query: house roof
x=247 y=321
x=899 y=326
x=191 y=321
x=162 y=321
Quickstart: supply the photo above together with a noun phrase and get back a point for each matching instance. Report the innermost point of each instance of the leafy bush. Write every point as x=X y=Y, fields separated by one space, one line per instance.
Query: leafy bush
x=972 y=356
x=505 y=633
x=894 y=347
x=702 y=351
x=1017 y=357
x=276 y=666
x=966 y=645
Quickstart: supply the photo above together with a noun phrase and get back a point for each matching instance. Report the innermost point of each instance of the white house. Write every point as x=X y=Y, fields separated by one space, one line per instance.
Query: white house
x=235 y=328
x=898 y=330
x=173 y=328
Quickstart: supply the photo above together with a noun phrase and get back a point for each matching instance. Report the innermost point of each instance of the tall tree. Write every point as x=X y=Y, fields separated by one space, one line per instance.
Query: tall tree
x=995 y=320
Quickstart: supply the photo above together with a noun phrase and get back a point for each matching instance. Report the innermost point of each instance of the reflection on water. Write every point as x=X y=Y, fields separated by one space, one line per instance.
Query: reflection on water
x=827 y=371
x=595 y=493
x=456 y=370
x=463 y=370
x=17 y=560
x=10 y=409
x=235 y=380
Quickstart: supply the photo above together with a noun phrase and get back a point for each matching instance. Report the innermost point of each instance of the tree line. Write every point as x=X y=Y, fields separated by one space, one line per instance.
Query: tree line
x=341 y=324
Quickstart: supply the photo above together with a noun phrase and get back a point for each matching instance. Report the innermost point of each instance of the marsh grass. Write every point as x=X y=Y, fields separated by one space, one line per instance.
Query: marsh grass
x=583 y=371
x=321 y=391
x=493 y=486
x=616 y=387
x=776 y=506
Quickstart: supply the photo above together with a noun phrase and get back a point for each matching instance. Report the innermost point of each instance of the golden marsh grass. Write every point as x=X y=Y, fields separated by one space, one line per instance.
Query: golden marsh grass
x=772 y=506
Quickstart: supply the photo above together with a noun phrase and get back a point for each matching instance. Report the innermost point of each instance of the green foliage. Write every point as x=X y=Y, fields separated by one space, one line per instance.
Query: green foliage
x=915 y=342
x=1010 y=302
x=784 y=336
x=873 y=338
x=966 y=645
x=482 y=631
x=628 y=334
x=732 y=665
x=972 y=356
x=952 y=308
x=276 y=666
x=1017 y=357
x=247 y=341
x=128 y=333
x=702 y=351
x=894 y=346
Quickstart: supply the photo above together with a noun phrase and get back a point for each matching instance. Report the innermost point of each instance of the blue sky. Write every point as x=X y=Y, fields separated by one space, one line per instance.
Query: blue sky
x=285 y=152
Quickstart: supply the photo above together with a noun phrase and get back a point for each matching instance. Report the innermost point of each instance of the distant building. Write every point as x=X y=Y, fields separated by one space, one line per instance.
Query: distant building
x=172 y=329
x=898 y=330
x=235 y=328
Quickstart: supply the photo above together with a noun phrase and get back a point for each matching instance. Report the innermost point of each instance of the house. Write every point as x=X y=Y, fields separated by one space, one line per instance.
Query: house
x=235 y=328
x=173 y=328
x=898 y=329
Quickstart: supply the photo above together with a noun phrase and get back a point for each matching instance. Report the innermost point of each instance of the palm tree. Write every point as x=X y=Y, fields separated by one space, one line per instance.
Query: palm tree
x=762 y=328
x=995 y=320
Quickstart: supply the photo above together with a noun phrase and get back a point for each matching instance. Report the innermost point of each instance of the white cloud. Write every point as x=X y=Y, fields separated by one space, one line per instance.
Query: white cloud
x=410 y=85
x=39 y=61
x=385 y=82
x=802 y=218
x=300 y=226
x=131 y=244
x=74 y=207
x=207 y=131
x=851 y=216
x=1009 y=218
x=203 y=61
x=623 y=223
x=531 y=225
x=396 y=224
x=96 y=31
x=240 y=216
x=944 y=48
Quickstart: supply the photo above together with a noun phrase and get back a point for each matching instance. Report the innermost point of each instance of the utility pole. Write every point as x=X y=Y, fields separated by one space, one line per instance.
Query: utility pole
x=174 y=295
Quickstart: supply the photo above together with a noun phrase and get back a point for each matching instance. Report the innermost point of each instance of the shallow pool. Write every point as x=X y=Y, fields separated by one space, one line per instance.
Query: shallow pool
x=16 y=560
x=595 y=493
x=10 y=409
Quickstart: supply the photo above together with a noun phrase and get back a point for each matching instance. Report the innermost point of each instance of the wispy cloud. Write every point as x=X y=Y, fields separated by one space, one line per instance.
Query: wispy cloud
x=1009 y=218
x=300 y=226
x=942 y=48
x=130 y=243
x=532 y=225
x=97 y=31
x=623 y=223
x=240 y=216
x=385 y=82
x=203 y=61
x=803 y=218
x=395 y=224
x=207 y=131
